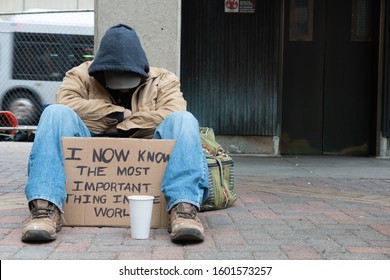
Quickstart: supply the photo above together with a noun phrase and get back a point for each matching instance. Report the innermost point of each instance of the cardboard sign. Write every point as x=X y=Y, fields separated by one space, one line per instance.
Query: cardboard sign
x=102 y=172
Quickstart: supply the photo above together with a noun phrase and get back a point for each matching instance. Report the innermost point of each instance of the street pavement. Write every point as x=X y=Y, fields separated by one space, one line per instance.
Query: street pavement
x=289 y=208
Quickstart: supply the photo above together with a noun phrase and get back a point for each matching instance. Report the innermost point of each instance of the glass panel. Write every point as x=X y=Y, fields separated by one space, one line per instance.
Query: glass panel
x=361 y=20
x=301 y=20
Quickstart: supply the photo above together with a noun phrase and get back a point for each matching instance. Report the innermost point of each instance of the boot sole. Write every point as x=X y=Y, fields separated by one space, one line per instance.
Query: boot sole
x=188 y=234
x=38 y=236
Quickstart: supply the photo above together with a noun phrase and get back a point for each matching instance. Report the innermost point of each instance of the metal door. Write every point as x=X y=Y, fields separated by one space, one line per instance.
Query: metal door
x=230 y=65
x=330 y=74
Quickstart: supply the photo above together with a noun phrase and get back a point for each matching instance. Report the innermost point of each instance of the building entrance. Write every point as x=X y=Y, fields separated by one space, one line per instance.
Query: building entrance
x=330 y=77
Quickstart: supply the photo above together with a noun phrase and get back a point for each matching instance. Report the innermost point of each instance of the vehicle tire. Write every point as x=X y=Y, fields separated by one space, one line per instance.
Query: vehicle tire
x=25 y=107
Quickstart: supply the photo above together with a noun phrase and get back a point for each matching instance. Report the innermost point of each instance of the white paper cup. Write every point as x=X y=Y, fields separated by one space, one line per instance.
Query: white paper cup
x=141 y=207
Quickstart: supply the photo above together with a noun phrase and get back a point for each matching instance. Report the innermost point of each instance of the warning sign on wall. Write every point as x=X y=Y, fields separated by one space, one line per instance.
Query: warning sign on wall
x=240 y=6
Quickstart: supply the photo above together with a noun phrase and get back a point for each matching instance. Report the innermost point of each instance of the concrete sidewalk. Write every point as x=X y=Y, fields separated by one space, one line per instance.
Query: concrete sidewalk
x=309 y=208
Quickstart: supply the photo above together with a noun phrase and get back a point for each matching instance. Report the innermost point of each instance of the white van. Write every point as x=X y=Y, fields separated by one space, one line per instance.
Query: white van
x=36 y=50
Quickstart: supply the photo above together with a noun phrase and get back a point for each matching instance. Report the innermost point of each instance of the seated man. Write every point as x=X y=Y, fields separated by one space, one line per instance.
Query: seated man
x=118 y=95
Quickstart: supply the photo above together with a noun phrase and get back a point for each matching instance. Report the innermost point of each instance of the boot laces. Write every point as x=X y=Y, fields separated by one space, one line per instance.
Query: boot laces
x=185 y=210
x=42 y=212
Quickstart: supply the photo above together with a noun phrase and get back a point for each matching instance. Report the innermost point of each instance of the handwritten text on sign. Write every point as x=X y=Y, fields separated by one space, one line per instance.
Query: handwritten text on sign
x=100 y=178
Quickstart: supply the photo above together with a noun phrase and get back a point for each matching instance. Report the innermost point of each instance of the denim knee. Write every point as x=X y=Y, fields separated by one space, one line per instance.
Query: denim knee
x=182 y=117
x=58 y=113
x=56 y=109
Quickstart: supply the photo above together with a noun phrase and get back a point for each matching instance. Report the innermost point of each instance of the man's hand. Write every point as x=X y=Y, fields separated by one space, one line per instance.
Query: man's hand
x=111 y=131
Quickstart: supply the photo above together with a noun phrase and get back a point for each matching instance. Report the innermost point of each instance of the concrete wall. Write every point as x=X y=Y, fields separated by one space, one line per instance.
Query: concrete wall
x=157 y=24
x=388 y=147
x=384 y=147
x=21 y=5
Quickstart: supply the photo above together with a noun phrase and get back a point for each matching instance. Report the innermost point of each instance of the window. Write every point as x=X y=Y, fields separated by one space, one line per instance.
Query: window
x=48 y=56
x=361 y=20
x=301 y=20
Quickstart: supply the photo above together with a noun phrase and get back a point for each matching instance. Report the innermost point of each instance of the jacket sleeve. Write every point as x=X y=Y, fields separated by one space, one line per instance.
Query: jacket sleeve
x=93 y=108
x=149 y=113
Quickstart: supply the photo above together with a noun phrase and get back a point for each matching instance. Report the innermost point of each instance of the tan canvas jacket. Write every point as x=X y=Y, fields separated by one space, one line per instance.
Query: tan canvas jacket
x=152 y=102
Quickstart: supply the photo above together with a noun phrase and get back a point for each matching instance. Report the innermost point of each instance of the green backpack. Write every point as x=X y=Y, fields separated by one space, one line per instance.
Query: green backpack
x=221 y=175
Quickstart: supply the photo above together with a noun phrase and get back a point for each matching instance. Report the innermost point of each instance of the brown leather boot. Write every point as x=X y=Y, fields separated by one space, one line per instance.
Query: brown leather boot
x=44 y=223
x=184 y=224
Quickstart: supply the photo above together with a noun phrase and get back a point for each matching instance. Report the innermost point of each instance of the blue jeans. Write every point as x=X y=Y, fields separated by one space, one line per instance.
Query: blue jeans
x=186 y=175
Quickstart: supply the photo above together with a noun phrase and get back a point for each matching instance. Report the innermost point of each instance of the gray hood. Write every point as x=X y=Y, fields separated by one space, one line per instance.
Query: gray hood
x=120 y=50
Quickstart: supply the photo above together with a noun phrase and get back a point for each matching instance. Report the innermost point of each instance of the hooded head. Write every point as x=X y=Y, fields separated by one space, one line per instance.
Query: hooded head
x=120 y=58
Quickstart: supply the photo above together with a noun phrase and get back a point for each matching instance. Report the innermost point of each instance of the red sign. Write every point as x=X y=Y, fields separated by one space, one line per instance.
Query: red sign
x=240 y=6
